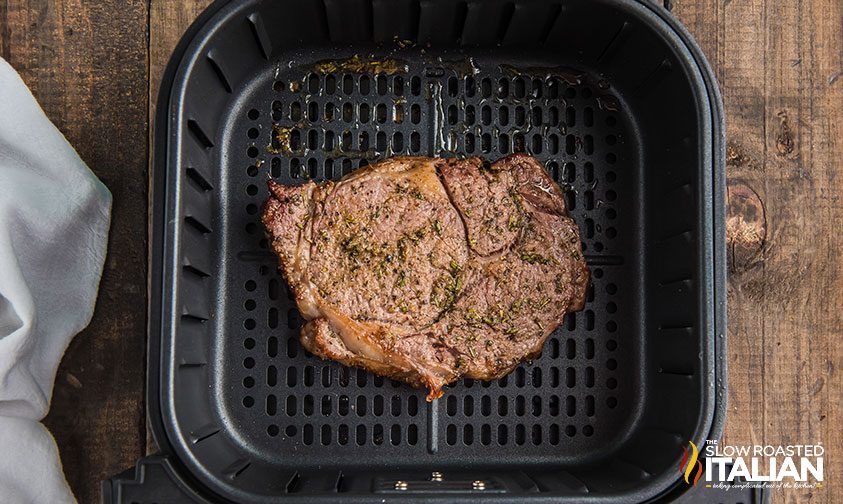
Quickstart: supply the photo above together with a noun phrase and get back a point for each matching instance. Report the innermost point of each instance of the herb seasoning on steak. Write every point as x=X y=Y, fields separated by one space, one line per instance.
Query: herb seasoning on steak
x=427 y=270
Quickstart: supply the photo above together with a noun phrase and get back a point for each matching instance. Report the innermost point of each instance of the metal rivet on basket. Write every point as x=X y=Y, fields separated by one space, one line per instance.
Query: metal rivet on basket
x=478 y=485
x=436 y=476
x=400 y=485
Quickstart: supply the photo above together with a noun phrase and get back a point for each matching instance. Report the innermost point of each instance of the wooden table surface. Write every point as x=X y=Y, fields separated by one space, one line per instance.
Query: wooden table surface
x=95 y=65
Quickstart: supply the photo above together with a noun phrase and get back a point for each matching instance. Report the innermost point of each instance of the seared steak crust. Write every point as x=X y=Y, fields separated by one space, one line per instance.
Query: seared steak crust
x=426 y=270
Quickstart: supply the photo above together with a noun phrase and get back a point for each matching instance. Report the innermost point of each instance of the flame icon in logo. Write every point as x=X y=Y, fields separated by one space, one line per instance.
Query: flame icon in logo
x=689 y=463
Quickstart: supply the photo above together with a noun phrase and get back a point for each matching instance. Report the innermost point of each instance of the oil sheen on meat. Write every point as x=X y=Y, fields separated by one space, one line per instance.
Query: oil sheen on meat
x=428 y=270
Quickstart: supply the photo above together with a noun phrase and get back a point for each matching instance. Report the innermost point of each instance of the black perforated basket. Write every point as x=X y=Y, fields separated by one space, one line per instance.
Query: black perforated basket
x=617 y=102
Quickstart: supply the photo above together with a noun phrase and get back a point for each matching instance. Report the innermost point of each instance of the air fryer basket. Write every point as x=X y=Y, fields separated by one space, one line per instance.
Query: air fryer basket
x=612 y=96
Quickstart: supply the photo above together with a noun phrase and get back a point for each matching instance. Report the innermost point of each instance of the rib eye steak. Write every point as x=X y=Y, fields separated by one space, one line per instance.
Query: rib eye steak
x=427 y=270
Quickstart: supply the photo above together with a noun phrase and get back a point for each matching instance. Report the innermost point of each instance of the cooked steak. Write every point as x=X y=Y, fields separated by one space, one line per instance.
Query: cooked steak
x=427 y=270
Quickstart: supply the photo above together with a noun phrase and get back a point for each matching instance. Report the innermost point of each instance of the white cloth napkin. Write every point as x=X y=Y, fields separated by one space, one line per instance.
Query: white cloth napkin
x=54 y=219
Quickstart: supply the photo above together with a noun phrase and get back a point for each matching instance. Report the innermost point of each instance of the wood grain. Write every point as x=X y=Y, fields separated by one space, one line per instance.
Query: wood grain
x=86 y=64
x=778 y=64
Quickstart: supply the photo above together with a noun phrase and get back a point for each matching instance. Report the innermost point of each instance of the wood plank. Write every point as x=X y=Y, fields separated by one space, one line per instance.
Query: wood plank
x=86 y=63
x=777 y=63
x=168 y=20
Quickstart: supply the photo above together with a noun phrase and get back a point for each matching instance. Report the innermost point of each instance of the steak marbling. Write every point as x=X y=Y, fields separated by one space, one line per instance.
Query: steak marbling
x=427 y=270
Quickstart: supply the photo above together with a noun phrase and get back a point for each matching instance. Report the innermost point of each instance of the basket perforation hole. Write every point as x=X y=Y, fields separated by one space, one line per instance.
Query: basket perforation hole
x=537 y=377
x=570 y=377
x=587 y=430
x=377 y=434
x=589 y=348
x=536 y=147
x=503 y=435
x=611 y=158
x=611 y=402
x=307 y=405
x=589 y=405
x=519 y=89
x=253 y=114
x=313 y=140
x=553 y=406
x=451 y=434
x=554 y=377
x=468 y=434
x=503 y=406
x=486 y=87
x=503 y=88
x=397 y=142
x=570 y=348
x=252 y=152
x=518 y=142
x=271 y=376
x=570 y=431
x=295 y=111
x=553 y=435
x=611 y=345
x=520 y=434
x=395 y=434
x=381 y=84
x=363 y=112
x=249 y=324
x=520 y=405
x=347 y=112
x=589 y=377
x=570 y=144
x=486 y=434
x=486 y=115
x=468 y=406
x=347 y=84
x=380 y=113
x=330 y=112
x=503 y=115
x=295 y=168
x=307 y=434
x=248 y=401
x=398 y=85
x=503 y=143
x=469 y=142
x=536 y=434
x=313 y=84
x=398 y=113
x=271 y=405
x=248 y=382
x=611 y=383
x=272 y=430
x=486 y=143
x=536 y=406
x=453 y=86
x=415 y=142
x=330 y=84
x=365 y=84
x=470 y=86
x=536 y=116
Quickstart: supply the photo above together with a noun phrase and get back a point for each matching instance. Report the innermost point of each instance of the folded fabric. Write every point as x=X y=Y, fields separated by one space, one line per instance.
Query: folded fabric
x=54 y=219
